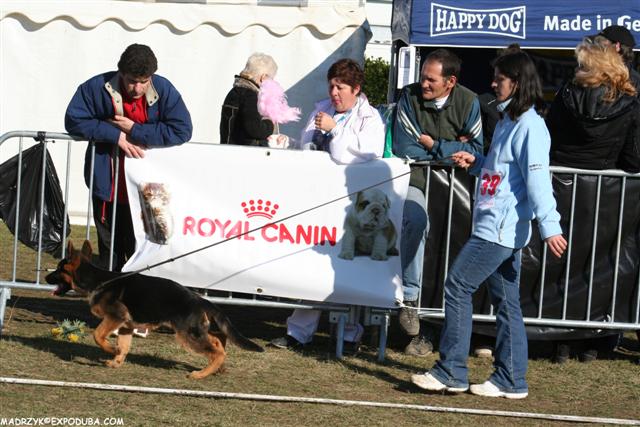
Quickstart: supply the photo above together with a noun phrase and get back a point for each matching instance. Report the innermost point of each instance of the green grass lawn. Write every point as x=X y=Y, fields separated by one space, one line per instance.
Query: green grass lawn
x=607 y=387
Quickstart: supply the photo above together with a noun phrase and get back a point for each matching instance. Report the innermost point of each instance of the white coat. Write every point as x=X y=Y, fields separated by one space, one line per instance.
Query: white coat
x=356 y=139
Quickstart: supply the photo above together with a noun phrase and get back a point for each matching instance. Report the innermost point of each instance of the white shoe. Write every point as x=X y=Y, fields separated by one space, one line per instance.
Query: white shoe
x=489 y=389
x=142 y=333
x=114 y=333
x=429 y=382
x=483 y=352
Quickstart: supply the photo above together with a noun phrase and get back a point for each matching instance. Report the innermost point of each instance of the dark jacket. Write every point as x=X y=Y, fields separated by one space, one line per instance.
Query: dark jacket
x=587 y=133
x=490 y=117
x=99 y=99
x=635 y=79
x=240 y=122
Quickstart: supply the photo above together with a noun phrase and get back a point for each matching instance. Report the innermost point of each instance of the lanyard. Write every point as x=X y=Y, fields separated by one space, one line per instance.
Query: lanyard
x=322 y=140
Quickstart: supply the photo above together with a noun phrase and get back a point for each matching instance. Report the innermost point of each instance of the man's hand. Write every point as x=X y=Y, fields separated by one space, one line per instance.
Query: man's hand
x=463 y=159
x=129 y=148
x=557 y=244
x=465 y=138
x=324 y=122
x=123 y=123
x=427 y=141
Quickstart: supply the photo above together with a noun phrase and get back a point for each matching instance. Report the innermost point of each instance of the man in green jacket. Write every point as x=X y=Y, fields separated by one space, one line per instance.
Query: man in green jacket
x=434 y=119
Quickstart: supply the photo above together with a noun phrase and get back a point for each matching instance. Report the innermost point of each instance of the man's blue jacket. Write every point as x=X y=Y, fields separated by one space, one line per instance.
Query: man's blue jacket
x=99 y=99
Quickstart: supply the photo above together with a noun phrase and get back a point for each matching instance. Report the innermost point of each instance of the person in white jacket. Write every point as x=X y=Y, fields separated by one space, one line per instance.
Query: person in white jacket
x=351 y=131
x=345 y=125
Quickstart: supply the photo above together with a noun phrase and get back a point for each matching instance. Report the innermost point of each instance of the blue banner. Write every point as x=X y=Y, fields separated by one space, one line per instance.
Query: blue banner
x=498 y=23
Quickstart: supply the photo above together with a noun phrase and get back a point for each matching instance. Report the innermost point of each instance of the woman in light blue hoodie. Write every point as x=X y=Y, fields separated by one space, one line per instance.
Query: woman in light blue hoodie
x=514 y=188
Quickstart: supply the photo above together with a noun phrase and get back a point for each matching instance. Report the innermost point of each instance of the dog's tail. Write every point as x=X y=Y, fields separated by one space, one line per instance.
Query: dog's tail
x=223 y=322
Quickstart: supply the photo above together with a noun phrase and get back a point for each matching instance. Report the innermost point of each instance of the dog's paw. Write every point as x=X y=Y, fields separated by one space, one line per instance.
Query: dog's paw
x=346 y=255
x=379 y=257
x=197 y=375
x=113 y=364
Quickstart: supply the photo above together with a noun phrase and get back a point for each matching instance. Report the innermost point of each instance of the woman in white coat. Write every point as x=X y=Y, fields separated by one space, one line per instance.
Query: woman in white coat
x=345 y=125
x=351 y=131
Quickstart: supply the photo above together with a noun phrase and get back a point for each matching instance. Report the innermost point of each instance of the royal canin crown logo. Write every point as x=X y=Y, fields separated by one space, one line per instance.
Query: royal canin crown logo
x=265 y=209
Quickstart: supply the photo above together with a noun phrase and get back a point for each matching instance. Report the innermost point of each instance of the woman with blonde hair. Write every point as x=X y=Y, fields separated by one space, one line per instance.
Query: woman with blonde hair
x=594 y=123
x=594 y=120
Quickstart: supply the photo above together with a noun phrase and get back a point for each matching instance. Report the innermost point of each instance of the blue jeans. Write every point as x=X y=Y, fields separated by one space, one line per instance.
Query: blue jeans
x=415 y=228
x=480 y=260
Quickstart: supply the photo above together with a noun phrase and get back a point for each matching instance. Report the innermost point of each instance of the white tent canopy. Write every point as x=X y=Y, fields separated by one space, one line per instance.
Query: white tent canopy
x=49 y=47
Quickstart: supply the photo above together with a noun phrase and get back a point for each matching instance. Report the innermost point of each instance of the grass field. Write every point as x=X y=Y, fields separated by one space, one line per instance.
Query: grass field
x=607 y=387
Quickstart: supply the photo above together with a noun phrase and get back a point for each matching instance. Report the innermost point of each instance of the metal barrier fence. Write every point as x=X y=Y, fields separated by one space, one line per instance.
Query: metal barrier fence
x=630 y=299
x=341 y=314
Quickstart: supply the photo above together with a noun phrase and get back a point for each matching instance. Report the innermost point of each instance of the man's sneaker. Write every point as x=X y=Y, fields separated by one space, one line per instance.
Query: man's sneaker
x=563 y=353
x=409 y=319
x=286 y=342
x=351 y=348
x=489 y=389
x=429 y=382
x=588 y=355
x=419 y=346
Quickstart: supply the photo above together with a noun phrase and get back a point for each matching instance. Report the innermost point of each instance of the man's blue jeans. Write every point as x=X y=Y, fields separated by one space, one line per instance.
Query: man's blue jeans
x=480 y=260
x=415 y=228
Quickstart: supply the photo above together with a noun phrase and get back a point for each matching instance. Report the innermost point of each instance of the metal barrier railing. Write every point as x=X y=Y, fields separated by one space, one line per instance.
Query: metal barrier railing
x=437 y=312
x=340 y=314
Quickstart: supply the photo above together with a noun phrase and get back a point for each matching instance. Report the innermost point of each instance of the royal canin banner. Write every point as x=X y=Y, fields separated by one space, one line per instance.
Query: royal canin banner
x=286 y=224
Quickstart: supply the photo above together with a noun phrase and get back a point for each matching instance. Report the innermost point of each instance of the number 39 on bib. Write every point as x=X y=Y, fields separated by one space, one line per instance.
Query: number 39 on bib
x=488 y=186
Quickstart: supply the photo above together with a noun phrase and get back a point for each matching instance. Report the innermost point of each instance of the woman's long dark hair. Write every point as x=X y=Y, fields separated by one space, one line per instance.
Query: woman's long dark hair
x=519 y=67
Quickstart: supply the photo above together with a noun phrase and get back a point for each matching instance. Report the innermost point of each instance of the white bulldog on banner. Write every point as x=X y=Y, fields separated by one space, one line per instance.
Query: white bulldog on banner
x=279 y=222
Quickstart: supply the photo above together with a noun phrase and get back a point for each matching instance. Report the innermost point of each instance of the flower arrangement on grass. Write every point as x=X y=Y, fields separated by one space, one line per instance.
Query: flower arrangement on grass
x=71 y=331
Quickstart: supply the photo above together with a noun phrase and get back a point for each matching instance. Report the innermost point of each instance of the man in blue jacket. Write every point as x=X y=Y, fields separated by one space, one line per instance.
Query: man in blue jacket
x=124 y=112
x=435 y=118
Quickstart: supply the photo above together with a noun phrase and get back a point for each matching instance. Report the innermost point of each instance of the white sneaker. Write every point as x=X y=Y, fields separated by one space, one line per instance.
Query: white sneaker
x=489 y=389
x=483 y=352
x=429 y=382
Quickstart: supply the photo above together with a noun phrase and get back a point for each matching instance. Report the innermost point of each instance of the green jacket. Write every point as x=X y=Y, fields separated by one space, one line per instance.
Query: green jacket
x=459 y=116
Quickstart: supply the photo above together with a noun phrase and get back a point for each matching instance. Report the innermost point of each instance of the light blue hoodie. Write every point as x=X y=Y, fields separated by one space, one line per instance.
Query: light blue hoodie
x=515 y=185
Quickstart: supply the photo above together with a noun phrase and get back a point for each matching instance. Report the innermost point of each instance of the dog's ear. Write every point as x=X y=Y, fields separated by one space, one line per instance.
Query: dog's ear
x=358 y=200
x=86 y=249
x=70 y=247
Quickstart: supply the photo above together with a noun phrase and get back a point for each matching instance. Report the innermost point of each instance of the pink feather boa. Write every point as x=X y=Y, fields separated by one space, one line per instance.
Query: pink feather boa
x=272 y=103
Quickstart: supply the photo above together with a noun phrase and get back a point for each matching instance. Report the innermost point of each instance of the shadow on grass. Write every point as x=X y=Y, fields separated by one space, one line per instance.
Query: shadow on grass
x=56 y=309
x=94 y=355
x=323 y=349
x=253 y=322
x=373 y=368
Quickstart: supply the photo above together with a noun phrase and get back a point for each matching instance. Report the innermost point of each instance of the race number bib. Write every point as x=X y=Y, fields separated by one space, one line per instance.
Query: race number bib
x=489 y=182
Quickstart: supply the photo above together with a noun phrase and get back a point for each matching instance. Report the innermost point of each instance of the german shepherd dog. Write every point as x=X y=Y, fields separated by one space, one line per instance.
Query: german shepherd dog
x=147 y=302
